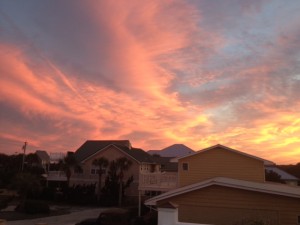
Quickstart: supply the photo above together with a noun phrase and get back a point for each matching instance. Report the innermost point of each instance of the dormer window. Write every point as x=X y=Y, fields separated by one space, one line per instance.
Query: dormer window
x=185 y=166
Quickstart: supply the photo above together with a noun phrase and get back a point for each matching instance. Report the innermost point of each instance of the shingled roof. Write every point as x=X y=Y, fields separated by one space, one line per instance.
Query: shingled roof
x=91 y=147
x=166 y=164
x=138 y=154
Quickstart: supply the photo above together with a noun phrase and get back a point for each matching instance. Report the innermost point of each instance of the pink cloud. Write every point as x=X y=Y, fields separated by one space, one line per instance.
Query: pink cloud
x=154 y=72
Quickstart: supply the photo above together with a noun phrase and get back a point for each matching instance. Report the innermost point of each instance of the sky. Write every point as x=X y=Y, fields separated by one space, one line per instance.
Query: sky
x=156 y=72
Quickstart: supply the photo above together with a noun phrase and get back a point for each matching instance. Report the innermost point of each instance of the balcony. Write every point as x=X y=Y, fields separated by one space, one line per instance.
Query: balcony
x=164 y=181
x=56 y=176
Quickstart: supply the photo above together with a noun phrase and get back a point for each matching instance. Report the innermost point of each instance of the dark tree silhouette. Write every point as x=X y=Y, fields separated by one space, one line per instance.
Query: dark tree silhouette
x=114 y=179
x=123 y=164
x=69 y=163
x=25 y=184
x=273 y=176
x=101 y=164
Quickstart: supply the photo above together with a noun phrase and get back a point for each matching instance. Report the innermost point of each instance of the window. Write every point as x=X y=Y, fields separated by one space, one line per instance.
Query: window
x=93 y=171
x=185 y=166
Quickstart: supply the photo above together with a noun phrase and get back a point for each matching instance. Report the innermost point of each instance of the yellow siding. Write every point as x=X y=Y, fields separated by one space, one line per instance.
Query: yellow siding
x=220 y=162
x=226 y=206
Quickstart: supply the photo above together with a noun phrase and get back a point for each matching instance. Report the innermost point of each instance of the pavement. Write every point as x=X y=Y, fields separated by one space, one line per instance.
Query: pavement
x=72 y=218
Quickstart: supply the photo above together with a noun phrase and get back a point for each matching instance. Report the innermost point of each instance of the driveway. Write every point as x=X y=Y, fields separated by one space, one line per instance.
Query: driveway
x=69 y=219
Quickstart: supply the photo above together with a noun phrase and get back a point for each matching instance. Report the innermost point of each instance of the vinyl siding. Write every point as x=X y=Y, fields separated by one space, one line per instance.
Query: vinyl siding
x=220 y=162
x=228 y=206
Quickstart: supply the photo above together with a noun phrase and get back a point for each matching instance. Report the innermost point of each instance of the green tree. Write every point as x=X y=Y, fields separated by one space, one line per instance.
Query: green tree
x=273 y=176
x=122 y=164
x=292 y=169
x=101 y=163
x=115 y=184
x=68 y=164
x=32 y=159
x=10 y=165
x=25 y=184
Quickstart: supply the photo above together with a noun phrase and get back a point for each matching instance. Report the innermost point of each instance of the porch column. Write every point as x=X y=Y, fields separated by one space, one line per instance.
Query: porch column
x=140 y=204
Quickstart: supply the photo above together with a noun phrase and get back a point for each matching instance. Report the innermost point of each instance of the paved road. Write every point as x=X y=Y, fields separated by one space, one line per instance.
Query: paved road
x=68 y=219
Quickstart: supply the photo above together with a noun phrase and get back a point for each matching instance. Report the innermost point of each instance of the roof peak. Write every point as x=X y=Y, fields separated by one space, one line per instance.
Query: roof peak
x=266 y=162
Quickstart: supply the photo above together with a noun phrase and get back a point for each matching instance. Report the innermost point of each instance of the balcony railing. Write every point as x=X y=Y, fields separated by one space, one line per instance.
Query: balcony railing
x=56 y=176
x=158 y=181
x=75 y=177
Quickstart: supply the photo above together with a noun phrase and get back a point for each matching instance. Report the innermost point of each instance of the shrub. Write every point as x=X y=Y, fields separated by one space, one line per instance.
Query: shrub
x=4 y=200
x=33 y=207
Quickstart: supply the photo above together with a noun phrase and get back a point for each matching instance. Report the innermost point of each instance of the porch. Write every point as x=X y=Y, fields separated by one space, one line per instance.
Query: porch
x=160 y=181
x=56 y=176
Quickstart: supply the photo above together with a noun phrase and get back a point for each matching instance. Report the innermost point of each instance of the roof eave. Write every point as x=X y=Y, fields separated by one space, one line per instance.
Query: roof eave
x=84 y=160
x=220 y=181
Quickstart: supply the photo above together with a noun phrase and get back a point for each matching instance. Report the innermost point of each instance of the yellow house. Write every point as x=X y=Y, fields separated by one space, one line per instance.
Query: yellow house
x=220 y=161
x=223 y=186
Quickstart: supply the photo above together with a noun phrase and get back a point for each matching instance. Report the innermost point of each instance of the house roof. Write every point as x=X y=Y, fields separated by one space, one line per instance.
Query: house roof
x=166 y=164
x=175 y=150
x=138 y=154
x=91 y=147
x=266 y=162
x=266 y=187
x=43 y=155
x=283 y=175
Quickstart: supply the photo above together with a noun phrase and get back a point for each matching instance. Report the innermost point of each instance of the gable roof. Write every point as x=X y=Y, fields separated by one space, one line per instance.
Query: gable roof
x=175 y=150
x=138 y=154
x=266 y=162
x=269 y=188
x=91 y=147
x=283 y=175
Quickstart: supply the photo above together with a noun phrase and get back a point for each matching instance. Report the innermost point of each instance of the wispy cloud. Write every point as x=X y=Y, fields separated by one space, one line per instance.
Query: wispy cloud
x=156 y=72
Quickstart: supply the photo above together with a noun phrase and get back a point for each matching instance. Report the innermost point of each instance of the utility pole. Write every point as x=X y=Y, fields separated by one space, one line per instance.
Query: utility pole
x=23 y=159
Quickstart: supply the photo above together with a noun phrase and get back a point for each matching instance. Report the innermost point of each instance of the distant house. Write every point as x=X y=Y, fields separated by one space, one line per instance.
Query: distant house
x=284 y=176
x=150 y=173
x=223 y=186
x=43 y=158
x=176 y=150
x=112 y=149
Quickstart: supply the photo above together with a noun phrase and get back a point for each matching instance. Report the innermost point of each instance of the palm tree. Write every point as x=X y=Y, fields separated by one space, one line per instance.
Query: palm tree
x=69 y=163
x=102 y=164
x=123 y=164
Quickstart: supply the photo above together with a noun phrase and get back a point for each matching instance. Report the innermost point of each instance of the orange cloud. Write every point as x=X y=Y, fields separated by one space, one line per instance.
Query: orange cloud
x=151 y=71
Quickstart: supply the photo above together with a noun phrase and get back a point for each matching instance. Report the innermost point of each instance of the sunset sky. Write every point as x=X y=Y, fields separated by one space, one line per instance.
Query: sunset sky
x=200 y=73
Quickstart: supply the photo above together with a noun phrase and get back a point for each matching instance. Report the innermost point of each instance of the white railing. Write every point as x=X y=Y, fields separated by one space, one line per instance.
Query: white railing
x=56 y=176
x=158 y=181
x=75 y=177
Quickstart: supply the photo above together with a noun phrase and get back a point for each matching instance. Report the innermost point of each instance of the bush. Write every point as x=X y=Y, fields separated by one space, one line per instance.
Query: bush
x=33 y=207
x=4 y=200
